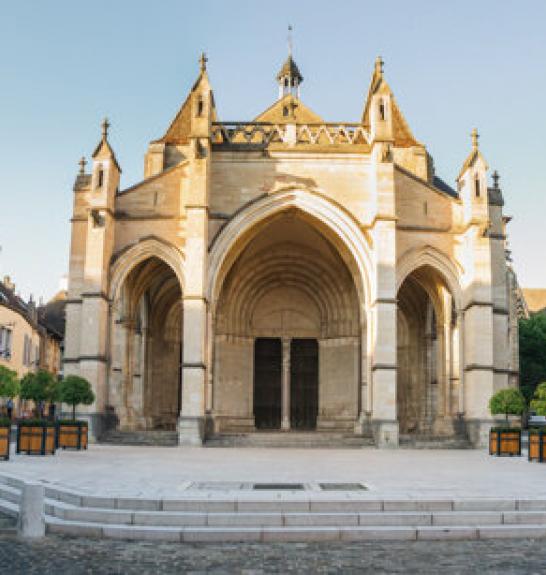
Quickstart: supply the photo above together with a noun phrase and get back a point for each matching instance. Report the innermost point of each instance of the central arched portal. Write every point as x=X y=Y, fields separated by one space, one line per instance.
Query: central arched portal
x=145 y=379
x=287 y=333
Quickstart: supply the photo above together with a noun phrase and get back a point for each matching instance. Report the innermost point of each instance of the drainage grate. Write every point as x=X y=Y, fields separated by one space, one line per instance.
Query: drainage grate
x=278 y=486
x=342 y=487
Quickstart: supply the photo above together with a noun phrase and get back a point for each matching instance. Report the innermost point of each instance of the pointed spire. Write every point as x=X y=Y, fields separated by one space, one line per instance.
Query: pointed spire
x=474 y=134
x=105 y=125
x=82 y=163
x=203 y=62
x=379 y=66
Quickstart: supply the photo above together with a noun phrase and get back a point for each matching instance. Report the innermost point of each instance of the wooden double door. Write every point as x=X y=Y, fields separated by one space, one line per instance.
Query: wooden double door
x=302 y=384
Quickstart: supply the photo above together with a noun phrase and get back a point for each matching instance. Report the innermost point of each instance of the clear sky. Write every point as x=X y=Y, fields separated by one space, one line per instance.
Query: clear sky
x=64 y=65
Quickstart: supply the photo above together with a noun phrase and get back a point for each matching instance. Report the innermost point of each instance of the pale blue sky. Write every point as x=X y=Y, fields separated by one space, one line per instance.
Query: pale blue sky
x=64 y=65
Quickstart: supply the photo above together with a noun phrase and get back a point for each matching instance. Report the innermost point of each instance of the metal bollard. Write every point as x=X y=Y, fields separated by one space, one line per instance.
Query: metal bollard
x=31 y=523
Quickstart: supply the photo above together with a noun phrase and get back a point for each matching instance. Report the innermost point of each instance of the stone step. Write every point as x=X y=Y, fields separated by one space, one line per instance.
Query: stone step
x=292 y=534
x=147 y=438
x=434 y=442
x=322 y=439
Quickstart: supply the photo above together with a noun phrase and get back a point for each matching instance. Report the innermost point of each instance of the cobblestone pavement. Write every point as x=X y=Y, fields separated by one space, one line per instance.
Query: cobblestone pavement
x=58 y=555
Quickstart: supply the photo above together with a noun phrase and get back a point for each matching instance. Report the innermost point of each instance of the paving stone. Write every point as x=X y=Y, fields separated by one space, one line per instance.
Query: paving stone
x=320 y=519
x=528 y=517
x=484 y=505
x=467 y=518
x=221 y=535
x=294 y=534
x=169 y=519
x=449 y=533
x=379 y=534
x=395 y=519
x=245 y=519
x=143 y=533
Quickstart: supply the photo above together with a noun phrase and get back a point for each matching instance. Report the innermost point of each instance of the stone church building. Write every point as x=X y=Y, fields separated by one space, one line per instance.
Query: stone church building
x=290 y=273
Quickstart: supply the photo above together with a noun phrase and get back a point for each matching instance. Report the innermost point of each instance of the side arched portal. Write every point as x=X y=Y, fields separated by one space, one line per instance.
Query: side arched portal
x=146 y=340
x=428 y=329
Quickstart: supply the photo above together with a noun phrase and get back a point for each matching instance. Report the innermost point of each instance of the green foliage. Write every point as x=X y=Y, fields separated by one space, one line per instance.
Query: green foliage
x=507 y=402
x=532 y=352
x=538 y=404
x=9 y=384
x=76 y=390
x=5 y=422
x=35 y=423
x=39 y=386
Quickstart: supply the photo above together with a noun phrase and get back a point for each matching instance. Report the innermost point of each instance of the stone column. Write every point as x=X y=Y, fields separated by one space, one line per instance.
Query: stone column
x=31 y=522
x=285 y=385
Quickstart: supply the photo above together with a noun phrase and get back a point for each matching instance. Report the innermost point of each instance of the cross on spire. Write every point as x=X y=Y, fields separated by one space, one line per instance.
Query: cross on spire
x=475 y=137
x=496 y=180
x=203 y=61
x=105 y=125
x=82 y=163
x=289 y=39
x=379 y=66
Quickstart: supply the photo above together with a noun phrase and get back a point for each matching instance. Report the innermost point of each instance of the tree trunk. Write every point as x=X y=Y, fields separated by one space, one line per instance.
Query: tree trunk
x=74 y=412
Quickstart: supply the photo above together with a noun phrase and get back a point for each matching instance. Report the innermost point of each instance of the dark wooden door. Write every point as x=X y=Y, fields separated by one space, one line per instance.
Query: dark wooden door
x=303 y=383
x=267 y=382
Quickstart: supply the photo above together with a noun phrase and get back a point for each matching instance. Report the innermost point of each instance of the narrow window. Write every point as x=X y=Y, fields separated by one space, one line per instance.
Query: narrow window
x=285 y=111
x=286 y=82
x=381 y=110
x=100 y=178
x=477 y=186
x=425 y=208
x=200 y=107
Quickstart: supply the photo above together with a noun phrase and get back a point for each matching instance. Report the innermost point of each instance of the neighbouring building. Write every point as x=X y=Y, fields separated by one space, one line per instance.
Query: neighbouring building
x=534 y=301
x=29 y=339
x=291 y=273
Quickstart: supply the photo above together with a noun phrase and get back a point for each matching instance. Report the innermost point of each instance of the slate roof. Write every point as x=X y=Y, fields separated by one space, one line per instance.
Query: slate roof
x=290 y=68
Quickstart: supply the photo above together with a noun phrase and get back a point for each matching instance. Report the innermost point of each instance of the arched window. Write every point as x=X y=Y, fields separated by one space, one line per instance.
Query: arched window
x=381 y=110
x=477 y=185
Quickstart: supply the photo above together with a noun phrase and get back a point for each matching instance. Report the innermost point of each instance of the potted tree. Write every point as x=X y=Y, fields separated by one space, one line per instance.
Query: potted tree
x=506 y=440
x=9 y=389
x=72 y=433
x=537 y=443
x=36 y=436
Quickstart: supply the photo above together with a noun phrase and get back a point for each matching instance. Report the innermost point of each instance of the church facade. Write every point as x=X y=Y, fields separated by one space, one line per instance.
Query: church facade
x=289 y=273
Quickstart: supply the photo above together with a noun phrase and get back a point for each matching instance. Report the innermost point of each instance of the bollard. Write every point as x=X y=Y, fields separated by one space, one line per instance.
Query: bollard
x=31 y=523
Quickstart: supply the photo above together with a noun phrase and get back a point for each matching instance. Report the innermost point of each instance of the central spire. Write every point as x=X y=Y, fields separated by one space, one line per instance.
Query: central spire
x=289 y=77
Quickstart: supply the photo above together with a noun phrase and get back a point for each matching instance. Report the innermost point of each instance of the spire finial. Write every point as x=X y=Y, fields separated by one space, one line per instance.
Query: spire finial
x=203 y=61
x=105 y=125
x=289 y=39
x=82 y=163
x=379 y=66
x=496 y=180
x=475 y=137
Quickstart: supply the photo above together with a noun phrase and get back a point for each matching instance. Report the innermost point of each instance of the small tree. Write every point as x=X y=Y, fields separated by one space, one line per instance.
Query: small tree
x=538 y=404
x=507 y=402
x=76 y=390
x=39 y=387
x=9 y=384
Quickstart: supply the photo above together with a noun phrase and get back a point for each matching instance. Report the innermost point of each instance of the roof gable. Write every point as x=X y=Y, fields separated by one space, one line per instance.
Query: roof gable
x=275 y=114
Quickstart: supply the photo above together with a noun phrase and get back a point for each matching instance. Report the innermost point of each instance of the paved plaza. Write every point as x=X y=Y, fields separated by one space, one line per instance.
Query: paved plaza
x=171 y=472
x=78 y=556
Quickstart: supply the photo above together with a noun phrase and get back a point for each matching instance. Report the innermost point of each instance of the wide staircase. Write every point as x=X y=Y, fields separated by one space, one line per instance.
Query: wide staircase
x=434 y=442
x=273 y=514
x=161 y=438
x=292 y=439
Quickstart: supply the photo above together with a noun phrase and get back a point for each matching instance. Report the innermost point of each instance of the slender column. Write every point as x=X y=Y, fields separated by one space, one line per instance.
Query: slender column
x=285 y=385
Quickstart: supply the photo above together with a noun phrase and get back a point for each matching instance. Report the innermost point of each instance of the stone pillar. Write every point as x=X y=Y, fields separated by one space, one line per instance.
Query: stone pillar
x=285 y=386
x=31 y=522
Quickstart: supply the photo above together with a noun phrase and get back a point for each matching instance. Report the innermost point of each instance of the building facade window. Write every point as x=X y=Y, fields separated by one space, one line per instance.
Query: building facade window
x=5 y=343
